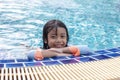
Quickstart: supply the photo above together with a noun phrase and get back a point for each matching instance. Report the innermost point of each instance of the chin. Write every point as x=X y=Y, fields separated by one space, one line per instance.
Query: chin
x=59 y=47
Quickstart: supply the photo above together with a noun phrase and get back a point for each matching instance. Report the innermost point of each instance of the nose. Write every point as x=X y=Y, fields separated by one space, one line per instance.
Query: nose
x=58 y=39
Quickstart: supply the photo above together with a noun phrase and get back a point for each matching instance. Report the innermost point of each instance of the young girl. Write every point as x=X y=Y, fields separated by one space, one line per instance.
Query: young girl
x=55 y=42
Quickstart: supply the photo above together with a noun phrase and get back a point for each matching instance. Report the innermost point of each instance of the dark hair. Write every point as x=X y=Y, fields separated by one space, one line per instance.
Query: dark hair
x=48 y=27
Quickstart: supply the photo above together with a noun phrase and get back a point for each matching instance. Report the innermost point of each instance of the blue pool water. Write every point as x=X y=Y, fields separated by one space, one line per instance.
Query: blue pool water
x=94 y=23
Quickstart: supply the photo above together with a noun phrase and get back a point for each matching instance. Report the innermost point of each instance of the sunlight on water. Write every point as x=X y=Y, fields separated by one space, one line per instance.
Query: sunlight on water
x=93 y=23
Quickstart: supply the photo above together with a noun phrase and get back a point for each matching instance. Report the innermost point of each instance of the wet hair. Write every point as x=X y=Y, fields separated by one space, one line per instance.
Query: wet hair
x=50 y=25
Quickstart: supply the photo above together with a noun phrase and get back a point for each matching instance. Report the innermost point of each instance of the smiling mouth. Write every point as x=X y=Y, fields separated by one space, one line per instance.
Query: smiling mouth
x=59 y=46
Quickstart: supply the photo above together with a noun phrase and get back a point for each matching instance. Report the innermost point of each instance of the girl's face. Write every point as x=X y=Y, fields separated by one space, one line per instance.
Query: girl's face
x=57 y=39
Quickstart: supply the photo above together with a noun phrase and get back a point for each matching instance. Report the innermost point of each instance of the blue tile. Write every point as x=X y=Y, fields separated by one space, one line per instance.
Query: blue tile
x=75 y=56
x=59 y=57
x=14 y=65
x=46 y=59
x=89 y=54
x=101 y=57
x=69 y=61
x=85 y=59
x=51 y=63
x=114 y=50
x=102 y=52
x=1 y=65
x=6 y=61
x=114 y=54
x=71 y=56
x=23 y=60
x=33 y=64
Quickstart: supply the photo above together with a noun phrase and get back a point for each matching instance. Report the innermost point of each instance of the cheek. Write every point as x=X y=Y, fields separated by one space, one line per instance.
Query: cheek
x=65 y=41
x=51 y=42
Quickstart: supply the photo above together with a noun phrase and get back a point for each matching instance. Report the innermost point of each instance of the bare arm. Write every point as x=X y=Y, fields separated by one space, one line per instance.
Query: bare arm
x=73 y=50
x=52 y=52
x=64 y=50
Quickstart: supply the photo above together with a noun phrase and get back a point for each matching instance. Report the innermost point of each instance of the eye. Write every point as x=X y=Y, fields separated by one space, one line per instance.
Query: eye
x=63 y=36
x=53 y=36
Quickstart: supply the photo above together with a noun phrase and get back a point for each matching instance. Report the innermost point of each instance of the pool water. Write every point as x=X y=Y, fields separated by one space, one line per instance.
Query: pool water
x=94 y=23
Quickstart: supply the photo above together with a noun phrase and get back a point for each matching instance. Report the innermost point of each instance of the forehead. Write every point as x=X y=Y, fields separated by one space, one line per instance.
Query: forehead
x=57 y=30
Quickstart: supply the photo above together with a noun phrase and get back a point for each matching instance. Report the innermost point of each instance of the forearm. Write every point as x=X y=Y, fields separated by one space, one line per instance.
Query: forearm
x=65 y=50
x=73 y=50
x=40 y=54
x=56 y=52
x=48 y=53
